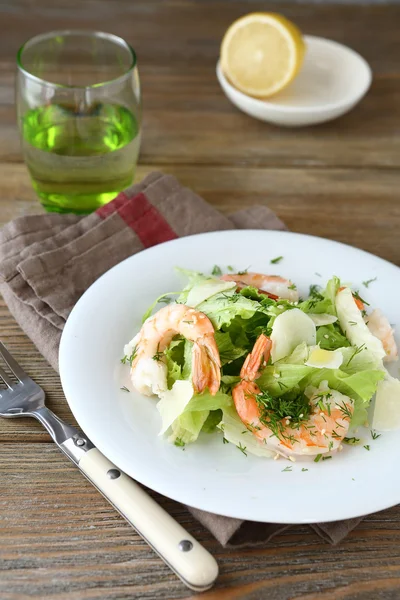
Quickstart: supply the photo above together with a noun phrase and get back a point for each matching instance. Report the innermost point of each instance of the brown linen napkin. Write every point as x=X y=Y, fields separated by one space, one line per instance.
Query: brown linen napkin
x=47 y=261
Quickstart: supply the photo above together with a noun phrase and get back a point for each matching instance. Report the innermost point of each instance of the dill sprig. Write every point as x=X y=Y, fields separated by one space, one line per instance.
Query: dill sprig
x=216 y=271
x=275 y=412
x=353 y=441
x=356 y=351
x=245 y=271
x=366 y=283
x=242 y=449
x=129 y=359
x=158 y=355
x=358 y=297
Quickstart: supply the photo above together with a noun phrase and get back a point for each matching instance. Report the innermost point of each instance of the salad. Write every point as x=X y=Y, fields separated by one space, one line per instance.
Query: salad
x=242 y=354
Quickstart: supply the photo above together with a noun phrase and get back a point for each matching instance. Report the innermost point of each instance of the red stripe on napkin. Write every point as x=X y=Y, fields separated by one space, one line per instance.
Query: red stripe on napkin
x=145 y=220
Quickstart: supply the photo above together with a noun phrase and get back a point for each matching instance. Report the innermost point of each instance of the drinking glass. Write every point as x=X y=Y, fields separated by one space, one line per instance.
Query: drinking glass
x=79 y=116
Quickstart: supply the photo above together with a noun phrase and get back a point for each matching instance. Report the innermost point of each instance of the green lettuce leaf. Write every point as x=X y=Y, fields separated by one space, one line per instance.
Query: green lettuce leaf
x=213 y=420
x=235 y=432
x=201 y=287
x=228 y=351
x=360 y=359
x=175 y=360
x=222 y=308
x=322 y=301
x=360 y=386
x=330 y=337
x=187 y=426
x=280 y=378
x=206 y=401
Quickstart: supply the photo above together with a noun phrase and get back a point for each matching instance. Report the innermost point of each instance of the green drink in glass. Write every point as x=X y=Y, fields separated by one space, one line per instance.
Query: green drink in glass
x=79 y=113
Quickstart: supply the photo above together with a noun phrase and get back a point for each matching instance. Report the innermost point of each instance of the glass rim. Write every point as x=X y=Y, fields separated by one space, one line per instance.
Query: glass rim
x=84 y=32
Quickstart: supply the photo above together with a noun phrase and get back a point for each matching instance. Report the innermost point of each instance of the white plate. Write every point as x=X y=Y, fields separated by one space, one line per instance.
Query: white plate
x=211 y=475
x=332 y=80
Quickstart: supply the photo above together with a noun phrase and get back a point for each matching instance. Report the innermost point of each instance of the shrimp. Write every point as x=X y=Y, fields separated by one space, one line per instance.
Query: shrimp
x=380 y=327
x=149 y=371
x=272 y=286
x=321 y=432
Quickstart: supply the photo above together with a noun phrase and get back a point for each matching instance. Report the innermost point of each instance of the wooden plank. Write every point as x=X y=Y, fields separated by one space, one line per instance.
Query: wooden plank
x=358 y=207
x=179 y=32
x=66 y=542
x=188 y=120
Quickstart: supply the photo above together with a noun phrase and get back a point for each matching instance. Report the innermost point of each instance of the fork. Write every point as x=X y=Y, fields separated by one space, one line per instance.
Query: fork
x=189 y=560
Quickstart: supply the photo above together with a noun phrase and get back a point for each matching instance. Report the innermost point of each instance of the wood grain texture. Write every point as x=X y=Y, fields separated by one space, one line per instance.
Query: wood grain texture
x=59 y=538
x=66 y=542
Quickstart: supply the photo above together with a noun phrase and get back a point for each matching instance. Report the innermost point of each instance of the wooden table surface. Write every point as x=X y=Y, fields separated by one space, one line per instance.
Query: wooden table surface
x=58 y=537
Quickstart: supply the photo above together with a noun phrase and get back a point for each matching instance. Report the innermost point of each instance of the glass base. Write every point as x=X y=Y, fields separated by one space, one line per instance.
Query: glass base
x=77 y=203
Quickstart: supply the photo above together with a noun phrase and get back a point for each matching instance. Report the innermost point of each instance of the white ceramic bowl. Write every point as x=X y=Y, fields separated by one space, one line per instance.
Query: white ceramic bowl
x=331 y=82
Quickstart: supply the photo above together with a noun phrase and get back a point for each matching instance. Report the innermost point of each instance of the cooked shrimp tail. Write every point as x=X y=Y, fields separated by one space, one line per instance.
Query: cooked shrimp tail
x=272 y=286
x=259 y=355
x=206 y=365
x=149 y=371
x=320 y=430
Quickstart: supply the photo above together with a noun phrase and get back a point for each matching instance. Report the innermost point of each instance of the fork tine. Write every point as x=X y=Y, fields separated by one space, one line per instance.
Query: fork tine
x=6 y=379
x=12 y=363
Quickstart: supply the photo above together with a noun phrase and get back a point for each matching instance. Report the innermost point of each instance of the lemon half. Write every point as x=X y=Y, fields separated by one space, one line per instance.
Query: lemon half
x=261 y=53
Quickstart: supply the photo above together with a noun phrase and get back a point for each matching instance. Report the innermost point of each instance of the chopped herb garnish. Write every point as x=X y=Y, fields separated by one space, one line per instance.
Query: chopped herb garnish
x=274 y=412
x=129 y=359
x=225 y=441
x=216 y=271
x=179 y=442
x=303 y=470
x=230 y=268
x=292 y=287
x=358 y=297
x=326 y=457
x=352 y=322
x=375 y=435
x=165 y=300
x=353 y=441
x=190 y=322
x=330 y=446
x=366 y=283
x=287 y=469
x=158 y=355
x=315 y=293
x=124 y=389
x=363 y=313
x=318 y=274
x=242 y=449
x=356 y=351
x=244 y=272
x=367 y=447
x=318 y=458
x=276 y=260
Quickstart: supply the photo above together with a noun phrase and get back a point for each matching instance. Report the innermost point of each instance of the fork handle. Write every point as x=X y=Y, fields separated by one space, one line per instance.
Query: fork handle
x=183 y=554
x=180 y=551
